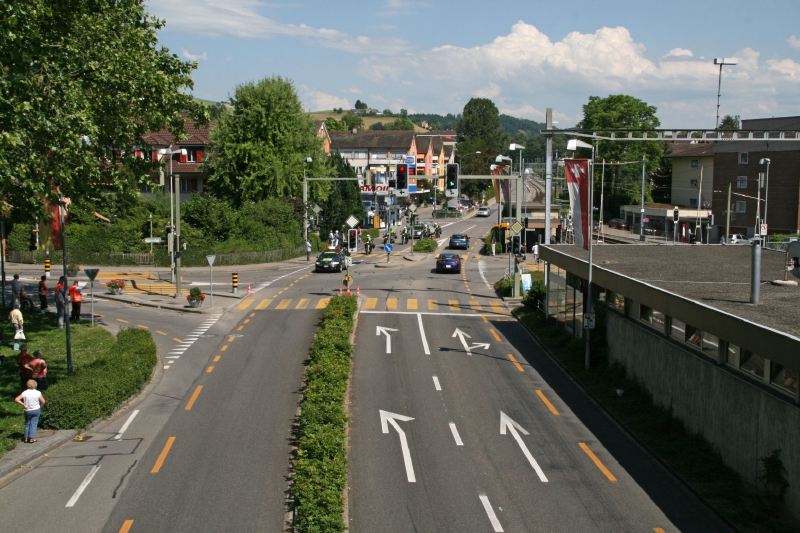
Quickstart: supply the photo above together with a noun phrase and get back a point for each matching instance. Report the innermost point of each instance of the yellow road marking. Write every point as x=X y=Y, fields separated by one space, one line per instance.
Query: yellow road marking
x=547 y=403
x=247 y=302
x=224 y=348
x=162 y=333
x=658 y=530
x=391 y=303
x=263 y=304
x=433 y=305
x=193 y=398
x=176 y=339
x=323 y=303
x=454 y=305
x=122 y=320
x=210 y=369
x=251 y=315
x=284 y=304
x=371 y=303
x=126 y=526
x=162 y=456
x=302 y=304
x=495 y=335
x=597 y=462
x=240 y=328
x=411 y=304
x=142 y=326
x=485 y=319
x=516 y=364
x=217 y=358
x=230 y=338
x=475 y=305
x=246 y=321
x=496 y=308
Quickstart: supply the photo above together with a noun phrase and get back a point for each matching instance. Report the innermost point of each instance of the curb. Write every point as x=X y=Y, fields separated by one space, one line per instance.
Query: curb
x=16 y=460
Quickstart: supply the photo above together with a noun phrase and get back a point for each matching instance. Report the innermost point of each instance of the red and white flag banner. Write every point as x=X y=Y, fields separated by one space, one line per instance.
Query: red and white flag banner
x=578 y=186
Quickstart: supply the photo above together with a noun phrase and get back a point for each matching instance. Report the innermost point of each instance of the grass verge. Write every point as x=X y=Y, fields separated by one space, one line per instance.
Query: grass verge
x=687 y=454
x=320 y=463
x=108 y=370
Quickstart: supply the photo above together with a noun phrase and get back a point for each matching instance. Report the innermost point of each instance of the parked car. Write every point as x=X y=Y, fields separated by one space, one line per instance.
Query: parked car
x=448 y=262
x=737 y=238
x=618 y=223
x=459 y=240
x=329 y=261
x=483 y=212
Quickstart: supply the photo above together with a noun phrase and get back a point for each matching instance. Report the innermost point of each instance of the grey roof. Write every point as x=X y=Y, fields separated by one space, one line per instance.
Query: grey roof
x=691 y=150
x=372 y=139
x=774 y=123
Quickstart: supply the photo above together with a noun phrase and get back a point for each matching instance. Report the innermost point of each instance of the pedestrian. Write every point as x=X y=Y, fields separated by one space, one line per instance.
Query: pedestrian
x=15 y=316
x=494 y=244
x=336 y=238
x=25 y=369
x=61 y=300
x=330 y=238
x=32 y=402
x=75 y=299
x=43 y=294
x=16 y=291
x=39 y=370
x=536 y=252
x=308 y=250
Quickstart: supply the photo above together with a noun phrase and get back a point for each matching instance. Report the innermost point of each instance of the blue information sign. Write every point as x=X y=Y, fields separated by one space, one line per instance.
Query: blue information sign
x=388 y=248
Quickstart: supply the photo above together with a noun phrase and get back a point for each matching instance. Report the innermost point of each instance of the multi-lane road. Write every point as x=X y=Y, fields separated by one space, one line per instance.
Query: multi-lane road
x=459 y=421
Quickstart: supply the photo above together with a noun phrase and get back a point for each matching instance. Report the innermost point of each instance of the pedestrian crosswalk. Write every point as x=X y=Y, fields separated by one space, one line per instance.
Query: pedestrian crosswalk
x=386 y=303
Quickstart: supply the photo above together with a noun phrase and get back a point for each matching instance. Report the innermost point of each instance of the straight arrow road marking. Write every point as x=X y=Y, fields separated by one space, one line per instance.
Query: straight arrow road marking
x=508 y=424
x=392 y=418
x=487 y=506
x=383 y=330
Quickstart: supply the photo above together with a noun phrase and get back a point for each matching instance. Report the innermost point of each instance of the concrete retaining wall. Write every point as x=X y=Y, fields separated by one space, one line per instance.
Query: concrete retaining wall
x=741 y=420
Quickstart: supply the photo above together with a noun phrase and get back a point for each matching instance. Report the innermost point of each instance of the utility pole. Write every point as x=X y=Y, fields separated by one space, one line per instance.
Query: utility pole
x=698 y=225
x=177 y=248
x=728 y=214
x=641 y=215
x=548 y=173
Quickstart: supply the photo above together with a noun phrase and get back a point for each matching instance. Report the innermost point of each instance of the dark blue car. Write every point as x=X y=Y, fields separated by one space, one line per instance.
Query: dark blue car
x=448 y=263
x=459 y=241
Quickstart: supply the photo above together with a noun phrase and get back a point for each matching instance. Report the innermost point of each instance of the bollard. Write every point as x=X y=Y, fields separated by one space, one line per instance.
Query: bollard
x=235 y=282
x=47 y=266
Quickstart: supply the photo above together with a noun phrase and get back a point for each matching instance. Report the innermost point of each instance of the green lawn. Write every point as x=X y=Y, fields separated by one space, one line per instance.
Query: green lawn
x=88 y=346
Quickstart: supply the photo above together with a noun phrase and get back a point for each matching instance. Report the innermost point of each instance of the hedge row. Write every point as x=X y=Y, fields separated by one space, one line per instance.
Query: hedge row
x=96 y=390
x=425 y=245
x=320 y=465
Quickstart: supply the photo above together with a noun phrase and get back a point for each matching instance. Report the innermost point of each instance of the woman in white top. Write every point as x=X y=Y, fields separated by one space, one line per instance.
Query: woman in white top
x=32 y=401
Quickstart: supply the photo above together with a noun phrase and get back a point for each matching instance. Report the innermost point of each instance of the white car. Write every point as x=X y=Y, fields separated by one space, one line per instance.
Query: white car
x=482 y=212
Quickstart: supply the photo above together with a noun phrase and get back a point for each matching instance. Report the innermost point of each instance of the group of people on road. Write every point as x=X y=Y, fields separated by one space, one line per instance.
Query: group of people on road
x=62 y=295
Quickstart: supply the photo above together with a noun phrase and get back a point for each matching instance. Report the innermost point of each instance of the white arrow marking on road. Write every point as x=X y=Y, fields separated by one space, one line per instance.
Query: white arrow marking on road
x=392 y=418
x=386 y=331
x=463 y=336
x=484 y=345
x=507 y=423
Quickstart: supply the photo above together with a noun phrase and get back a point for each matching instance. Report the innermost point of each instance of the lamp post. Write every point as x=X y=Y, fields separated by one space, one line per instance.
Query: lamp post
x=721 y=61
x=765 y=161
x=307 y=161
x=171 y=245
x=520 y=187
x=588 y=316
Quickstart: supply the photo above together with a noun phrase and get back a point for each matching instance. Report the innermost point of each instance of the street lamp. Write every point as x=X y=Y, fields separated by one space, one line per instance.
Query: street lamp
x=765 y=161
x=307 y=161
x=520 y=187
x=170 y=152
x=721 y=61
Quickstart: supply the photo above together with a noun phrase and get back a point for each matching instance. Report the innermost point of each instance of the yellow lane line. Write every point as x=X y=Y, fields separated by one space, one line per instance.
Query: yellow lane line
x=371 y=303
x=454 y=305
x=240 y=328
x=193 y=398
x=476 y=306
x=597 y=462
x=162 y=456
x=210 y=369
x=176 y=339
x=323 y=303
x=122 y=320
x=302 y=304
x=284 y=304
x=411 y=304
x=496 y=308
x=516 y=363
x=391 y=303
x=142 y=326
x=247 y=302
x=547 y=403
x=230 y=338
x=224 y=348
x=485 y=319
x=217 y=358
x=246 y=321
x=433 y=305
x=126 y=526
x=658 y=530
x=495 y=335
x=162 y=333
x=263 y=304
x=251 y=315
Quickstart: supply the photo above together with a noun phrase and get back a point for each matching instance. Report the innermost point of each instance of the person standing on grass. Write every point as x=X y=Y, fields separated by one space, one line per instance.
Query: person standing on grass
x=16 y=291
x=75 y=299
x=24 y=360
x=15 y=316
x=43 y=294
x=32 y=402
x=61 y=300
x=39 y=370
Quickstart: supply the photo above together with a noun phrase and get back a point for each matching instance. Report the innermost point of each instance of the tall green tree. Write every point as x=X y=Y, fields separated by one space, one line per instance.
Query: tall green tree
x=729 y=123
x=344 y=200
x=260 y=147
x=81 y=81
x=621 y=111
x=479 y=131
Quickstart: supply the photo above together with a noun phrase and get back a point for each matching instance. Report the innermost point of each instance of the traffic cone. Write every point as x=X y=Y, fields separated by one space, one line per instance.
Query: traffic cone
x=340 y=291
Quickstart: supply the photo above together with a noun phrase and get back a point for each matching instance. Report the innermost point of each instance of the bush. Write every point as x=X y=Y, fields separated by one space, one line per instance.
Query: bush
x=320 y=464
x=425 y=245
x=503 y=287
x=96 y=390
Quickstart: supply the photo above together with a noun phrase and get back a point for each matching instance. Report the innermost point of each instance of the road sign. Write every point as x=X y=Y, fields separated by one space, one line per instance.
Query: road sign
x=91 y=273
x=588 y=321
x=516 y=228
x=352 y=221
x=412 y=207
x=411 y=161
x=763 y=229
x=316 y=209
x=211 y=259
x=152 y=240
x=388 y=248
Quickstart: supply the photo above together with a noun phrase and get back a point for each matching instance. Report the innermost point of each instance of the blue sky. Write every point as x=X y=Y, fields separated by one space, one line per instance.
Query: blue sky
x=433 y=55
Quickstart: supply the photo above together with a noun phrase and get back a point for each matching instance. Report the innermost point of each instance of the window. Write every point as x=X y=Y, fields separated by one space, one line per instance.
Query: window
x=741 y=182
x=693 y=336
x=678 y=330
x=695 y=163
x=744 y=158
x=616 y=301
x=188 y=185
x=693 y=183
x=783 y=377
x=733 y=355
x=740 y=207
x=710 y=344
x=752 y=363
x=692 y=202
x=651 y=317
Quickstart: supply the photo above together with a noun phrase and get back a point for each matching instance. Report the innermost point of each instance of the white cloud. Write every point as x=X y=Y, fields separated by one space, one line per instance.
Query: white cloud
x=400 y=7
x=793 y=41
x=787 y=68
x=679 y=52
x=191 y=56
x=316 y=100
x=492 y=91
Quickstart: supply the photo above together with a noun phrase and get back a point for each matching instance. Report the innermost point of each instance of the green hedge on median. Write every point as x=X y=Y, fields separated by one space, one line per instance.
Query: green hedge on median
x=425 y=245
x=320 y=464
x=96 y=390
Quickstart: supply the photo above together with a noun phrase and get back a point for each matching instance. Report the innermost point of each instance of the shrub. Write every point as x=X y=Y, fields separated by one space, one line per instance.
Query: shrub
x=195 y=294
x=320 y=464
x=503 y=287
x=425 y=245
x=115 y=284
x=96 y=390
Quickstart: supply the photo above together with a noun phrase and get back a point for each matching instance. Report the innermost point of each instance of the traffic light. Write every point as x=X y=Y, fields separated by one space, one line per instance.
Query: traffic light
x=402 y=177
x=676 y=214
x=452 y=177
x=352 y=239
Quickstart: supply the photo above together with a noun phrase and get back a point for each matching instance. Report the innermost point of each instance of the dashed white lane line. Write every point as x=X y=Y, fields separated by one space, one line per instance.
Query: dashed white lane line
x=456 y=436
x=483 y=276
x=490 y=513
x=82 y=487
x=173 y=357
x=126 y=425
x=436 y=384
